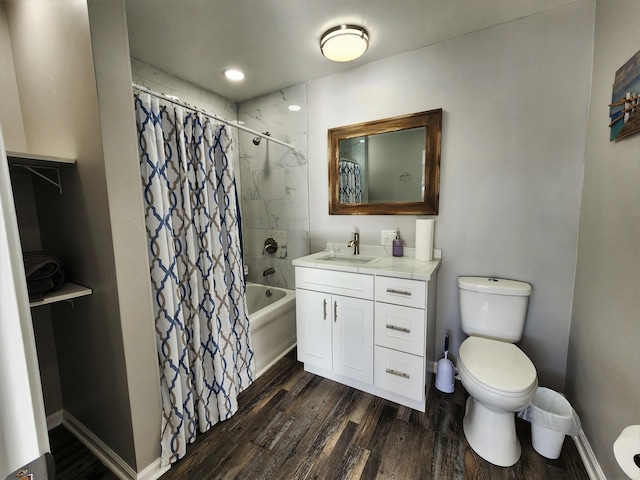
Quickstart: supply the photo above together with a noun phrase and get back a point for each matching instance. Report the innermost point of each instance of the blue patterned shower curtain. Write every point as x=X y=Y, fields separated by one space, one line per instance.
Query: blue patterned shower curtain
x=350 y=182
x=193 y=226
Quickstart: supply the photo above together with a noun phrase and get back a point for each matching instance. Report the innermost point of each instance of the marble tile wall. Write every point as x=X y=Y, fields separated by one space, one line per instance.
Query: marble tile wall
x=275 y=194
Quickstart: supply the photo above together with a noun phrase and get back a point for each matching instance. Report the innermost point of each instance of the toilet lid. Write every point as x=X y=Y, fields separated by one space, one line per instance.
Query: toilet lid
x=498 y=365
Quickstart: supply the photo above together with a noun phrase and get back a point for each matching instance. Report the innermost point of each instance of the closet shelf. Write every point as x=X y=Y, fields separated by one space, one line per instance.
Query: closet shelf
x=38 y=164
x=69 y=291
x=34 y=160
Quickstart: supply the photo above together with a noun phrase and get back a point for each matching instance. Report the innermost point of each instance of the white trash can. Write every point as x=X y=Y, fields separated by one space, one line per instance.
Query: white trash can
x=552 y=417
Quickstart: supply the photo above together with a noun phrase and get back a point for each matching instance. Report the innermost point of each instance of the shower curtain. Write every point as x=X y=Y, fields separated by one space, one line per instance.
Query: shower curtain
x=195 y=256
x=350 y=184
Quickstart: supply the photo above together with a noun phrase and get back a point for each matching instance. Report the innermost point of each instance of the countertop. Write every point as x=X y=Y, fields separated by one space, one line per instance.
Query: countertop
x=382 y=263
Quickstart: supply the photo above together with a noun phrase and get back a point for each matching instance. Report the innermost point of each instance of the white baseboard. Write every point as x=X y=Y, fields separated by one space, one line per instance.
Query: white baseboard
x=54 y=420
x=588 y=457
x=107 y=456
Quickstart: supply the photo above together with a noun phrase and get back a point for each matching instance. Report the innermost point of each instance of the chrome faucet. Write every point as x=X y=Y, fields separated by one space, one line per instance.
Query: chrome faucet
x=355 y=243
x=269 y=271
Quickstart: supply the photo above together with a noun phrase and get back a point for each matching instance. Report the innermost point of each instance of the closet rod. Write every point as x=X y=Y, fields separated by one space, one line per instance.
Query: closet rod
x=210 y=115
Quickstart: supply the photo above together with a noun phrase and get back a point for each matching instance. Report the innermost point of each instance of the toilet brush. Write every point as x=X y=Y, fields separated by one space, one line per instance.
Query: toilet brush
x=445 y=381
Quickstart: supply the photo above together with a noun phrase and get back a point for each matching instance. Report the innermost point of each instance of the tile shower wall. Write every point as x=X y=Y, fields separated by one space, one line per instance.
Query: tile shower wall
x=275 y=195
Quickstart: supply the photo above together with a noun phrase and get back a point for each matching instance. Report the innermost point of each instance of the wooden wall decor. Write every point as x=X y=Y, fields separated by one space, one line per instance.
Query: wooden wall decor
x=625 y=100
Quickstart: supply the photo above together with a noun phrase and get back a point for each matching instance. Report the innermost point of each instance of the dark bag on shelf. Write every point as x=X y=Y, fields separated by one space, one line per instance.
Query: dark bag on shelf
x=44 y=273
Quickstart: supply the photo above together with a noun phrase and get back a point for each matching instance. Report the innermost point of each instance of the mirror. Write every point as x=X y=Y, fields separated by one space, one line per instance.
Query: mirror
x=386 y=167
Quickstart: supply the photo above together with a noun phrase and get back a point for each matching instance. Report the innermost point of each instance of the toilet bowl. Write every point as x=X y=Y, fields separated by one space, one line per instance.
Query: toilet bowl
x=500 y=380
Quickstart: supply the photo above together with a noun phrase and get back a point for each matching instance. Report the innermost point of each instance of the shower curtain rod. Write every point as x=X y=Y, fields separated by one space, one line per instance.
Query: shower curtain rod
x=210 y=115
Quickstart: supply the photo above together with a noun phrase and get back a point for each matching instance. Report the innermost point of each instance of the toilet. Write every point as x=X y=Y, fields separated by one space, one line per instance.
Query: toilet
x=498 y=376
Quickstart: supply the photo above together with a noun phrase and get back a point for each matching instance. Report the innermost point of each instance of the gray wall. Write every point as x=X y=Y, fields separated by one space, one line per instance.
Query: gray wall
x=104 y=347
x=22 y=183
x=515 y=99
x=121 y=172
x=52 y=55
x=602 y=370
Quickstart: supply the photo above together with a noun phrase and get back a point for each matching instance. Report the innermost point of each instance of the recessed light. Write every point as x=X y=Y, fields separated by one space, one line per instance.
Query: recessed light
x=295 y=108
x=234 y=74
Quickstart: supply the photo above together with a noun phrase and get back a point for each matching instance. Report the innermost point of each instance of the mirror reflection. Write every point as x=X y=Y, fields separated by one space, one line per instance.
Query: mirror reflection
x=388 y=166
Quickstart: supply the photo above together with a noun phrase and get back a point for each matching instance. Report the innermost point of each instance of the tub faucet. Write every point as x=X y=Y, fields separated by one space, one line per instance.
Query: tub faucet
x=269 y=271
x=355 y=243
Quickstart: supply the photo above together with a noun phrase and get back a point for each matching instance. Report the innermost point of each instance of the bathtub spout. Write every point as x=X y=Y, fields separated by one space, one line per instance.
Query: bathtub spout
x=269 y=271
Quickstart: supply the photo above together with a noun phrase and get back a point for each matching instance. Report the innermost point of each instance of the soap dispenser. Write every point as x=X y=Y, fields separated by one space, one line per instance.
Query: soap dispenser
x=398 y=246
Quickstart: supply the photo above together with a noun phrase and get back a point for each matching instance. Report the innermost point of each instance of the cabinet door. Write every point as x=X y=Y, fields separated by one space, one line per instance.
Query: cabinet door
x=353 y=338
x=313 y=327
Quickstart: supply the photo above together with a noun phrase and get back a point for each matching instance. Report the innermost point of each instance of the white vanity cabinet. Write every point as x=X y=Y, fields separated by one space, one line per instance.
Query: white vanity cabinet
x=335 y=322
x=369 y=327
x=400 y=336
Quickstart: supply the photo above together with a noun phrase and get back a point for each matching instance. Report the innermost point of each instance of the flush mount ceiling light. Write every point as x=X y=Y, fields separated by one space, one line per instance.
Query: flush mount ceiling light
x=344 y=43
x=234 y=74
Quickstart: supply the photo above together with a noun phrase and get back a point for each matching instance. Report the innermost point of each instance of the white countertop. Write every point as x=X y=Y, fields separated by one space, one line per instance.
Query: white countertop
x=381 y=263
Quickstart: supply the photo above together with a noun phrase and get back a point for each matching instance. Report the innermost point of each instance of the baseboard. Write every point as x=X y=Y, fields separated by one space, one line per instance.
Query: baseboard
x=153 y=471
x=54 y=420
x=588 y=457
x=107 y=456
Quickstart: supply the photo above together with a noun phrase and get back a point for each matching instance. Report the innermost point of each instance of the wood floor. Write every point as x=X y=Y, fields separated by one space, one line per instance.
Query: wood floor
x=295 y=425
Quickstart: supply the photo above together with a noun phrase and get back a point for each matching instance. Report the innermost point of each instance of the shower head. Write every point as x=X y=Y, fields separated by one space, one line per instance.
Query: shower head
x=256 y=141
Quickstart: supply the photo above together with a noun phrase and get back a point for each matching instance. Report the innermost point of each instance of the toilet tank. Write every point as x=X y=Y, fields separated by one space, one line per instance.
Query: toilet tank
x=493 y=307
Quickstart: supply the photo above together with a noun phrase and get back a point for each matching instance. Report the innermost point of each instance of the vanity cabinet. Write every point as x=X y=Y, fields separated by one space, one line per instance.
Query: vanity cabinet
x=335 y=331
x=400 y=340
x=368 y=330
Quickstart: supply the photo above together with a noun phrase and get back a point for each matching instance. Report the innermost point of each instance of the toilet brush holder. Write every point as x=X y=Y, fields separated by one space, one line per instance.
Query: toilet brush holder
x=445 y=371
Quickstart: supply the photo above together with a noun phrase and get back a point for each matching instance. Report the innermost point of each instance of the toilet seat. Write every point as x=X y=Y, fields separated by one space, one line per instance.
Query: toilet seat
x=499 y=367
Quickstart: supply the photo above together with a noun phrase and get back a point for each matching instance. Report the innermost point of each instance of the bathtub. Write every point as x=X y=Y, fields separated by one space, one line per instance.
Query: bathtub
x=272 y=321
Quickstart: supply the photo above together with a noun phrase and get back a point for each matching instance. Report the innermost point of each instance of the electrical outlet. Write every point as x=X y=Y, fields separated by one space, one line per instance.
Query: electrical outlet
x=387 y=237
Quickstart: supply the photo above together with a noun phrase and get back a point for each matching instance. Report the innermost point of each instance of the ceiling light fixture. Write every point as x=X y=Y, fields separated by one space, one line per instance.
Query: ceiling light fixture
x=344 y=43
x=234 y=74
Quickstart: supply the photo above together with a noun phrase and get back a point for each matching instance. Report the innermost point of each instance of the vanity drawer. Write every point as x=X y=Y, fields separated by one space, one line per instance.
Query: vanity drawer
x=331 y=281
x=400 y=328
x=401 y=291
x=399 y=372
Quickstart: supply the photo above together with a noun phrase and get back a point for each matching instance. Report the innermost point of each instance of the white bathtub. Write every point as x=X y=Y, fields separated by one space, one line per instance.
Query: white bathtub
x=273 y=323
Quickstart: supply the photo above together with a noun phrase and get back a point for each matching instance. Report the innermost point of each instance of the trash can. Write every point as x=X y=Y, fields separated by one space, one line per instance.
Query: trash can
x=552 y=417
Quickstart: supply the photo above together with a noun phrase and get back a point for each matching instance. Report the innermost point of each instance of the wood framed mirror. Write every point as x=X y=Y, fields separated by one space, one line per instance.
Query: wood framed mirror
x=386 y=167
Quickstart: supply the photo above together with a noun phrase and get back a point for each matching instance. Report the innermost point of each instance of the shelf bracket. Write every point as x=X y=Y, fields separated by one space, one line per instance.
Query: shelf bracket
x=34 y=170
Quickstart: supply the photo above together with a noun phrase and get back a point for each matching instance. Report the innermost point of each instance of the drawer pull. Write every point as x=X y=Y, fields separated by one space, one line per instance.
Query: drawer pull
x=398 y=329
x=325 y=308
x=393 y=291
x=398 y=374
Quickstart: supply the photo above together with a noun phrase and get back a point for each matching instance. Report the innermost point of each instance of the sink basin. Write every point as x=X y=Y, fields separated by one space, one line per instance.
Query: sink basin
x=346 y=259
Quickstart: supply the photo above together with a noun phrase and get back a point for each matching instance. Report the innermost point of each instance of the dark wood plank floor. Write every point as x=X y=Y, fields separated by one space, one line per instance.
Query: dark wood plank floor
x=295 y=425
x=73 y=460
